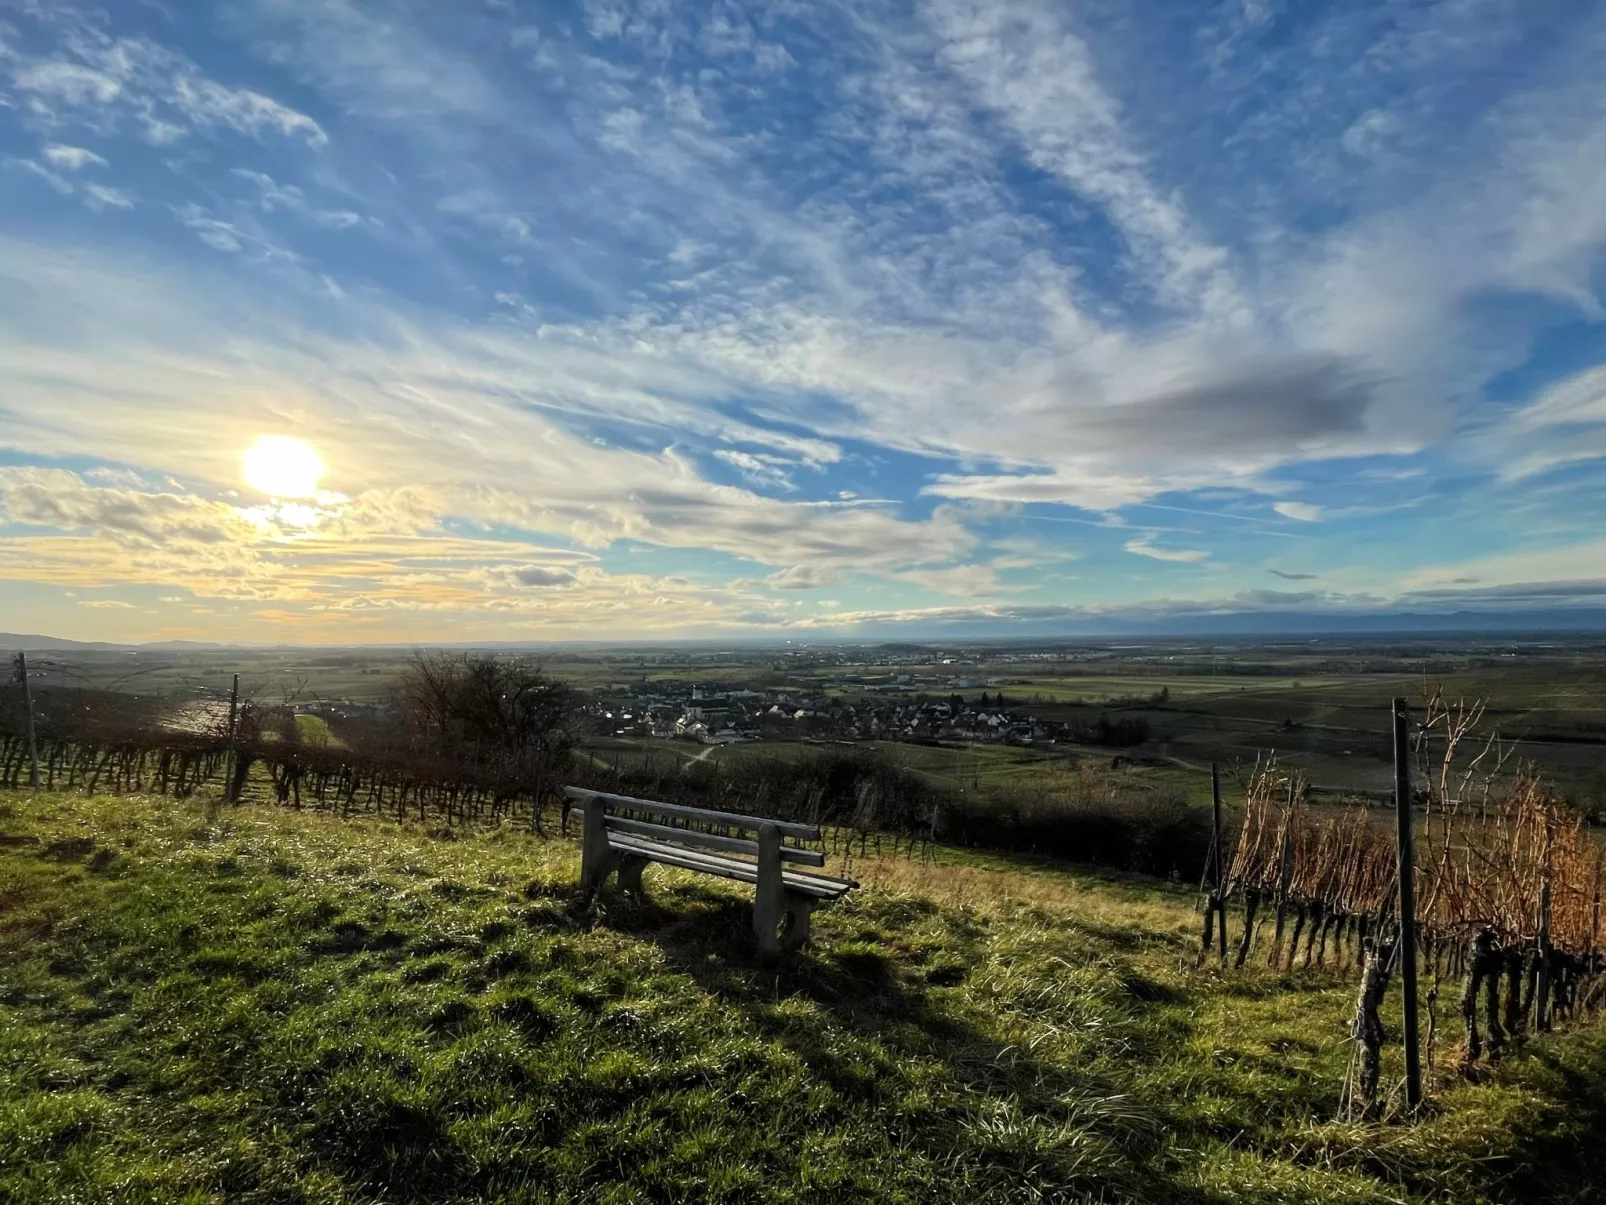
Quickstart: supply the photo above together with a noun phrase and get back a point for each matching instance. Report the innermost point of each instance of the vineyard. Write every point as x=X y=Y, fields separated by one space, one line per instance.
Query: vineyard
x=101 y=742
x=1507 y=884
x=1507 y=879
x=863 y=801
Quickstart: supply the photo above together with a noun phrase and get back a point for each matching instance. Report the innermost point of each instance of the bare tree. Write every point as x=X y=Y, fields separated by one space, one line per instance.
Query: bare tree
x=482 y=709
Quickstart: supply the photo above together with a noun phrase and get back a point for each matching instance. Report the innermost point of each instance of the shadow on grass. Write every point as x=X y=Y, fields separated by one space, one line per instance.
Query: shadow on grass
x=1067 y=1131
x=1567 y=1159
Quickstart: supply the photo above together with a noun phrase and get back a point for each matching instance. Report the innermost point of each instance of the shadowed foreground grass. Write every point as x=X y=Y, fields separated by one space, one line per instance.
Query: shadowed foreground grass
x=275 y=1007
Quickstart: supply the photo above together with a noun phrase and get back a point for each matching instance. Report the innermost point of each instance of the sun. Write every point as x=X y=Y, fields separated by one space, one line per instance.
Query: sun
x=282 y=466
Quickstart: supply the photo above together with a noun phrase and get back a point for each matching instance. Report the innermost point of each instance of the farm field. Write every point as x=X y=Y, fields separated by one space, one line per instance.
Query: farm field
x=981 y=771
x=1322 y=706
x=268 y=1005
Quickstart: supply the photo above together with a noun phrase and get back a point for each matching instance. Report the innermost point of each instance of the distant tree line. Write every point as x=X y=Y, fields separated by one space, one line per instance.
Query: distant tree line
x=480 y=738
x=1120 y=733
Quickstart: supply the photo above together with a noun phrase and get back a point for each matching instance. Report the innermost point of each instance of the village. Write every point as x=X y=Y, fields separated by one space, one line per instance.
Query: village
x=717 y=714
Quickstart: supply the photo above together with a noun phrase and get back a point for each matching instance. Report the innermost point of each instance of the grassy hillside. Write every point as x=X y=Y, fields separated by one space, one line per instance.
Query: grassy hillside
x=276 y=1007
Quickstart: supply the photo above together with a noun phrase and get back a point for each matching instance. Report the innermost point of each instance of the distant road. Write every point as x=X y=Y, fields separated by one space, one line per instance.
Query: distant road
x=1315 y=787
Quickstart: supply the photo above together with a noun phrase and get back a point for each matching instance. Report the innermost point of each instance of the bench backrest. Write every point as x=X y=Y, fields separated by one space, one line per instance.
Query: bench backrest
x=623 y=813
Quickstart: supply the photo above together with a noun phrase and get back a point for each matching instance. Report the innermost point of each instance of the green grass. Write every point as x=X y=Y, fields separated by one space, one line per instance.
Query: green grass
x=993 y=769
x=269 y=1006
x=314 y=731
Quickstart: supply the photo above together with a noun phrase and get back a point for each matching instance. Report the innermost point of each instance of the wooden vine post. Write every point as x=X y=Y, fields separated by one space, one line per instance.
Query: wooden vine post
x=1407 y=875
x=1219 y=891
x=228 y=761
x=540 y=786
x=1215 y=913
x=1594 y=909
x=1542 y=987
x=1207 y=885
x=27 y=707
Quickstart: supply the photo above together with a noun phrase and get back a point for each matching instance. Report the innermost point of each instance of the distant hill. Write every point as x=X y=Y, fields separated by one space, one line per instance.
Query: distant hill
x=14 y=641
x=1268 y=623
x=1271 y=623
x=1113 y=626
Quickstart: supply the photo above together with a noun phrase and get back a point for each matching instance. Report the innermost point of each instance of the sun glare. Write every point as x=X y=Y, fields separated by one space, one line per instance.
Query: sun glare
x=282 y=466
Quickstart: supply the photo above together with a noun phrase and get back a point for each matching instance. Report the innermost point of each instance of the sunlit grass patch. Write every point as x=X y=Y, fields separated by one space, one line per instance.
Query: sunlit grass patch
x=272 y=1006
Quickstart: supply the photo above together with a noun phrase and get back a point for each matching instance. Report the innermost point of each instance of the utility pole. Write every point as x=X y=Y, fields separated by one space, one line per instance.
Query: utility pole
x=1407 y=874
x=27 y=706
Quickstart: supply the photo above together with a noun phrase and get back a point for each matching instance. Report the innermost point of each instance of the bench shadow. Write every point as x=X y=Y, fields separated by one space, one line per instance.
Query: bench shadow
x=1562 y=1168
x=874 y=1013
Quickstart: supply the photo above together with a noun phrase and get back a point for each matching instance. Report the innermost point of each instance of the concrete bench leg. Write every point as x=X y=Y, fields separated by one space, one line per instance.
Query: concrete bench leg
x=630 y=868
x=597 y=861
x=770 y=900
x=795 y=927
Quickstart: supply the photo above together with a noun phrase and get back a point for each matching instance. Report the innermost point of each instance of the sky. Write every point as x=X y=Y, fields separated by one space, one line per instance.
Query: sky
x=389 y=320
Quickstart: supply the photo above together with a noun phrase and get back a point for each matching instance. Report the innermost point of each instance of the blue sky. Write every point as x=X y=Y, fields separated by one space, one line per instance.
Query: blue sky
x=624 y=319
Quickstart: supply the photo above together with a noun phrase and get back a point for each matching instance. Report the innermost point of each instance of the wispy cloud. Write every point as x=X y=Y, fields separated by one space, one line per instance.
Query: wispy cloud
x=96 y=197
x=101 y=196
x=759 y=468
x=778 y=299
x=71 y=158
x=1144 y=546
x=270 y=196
x=98 y=80
x=214 y=232
x=39 y=171
x=1040 y=76
x=1305 y=512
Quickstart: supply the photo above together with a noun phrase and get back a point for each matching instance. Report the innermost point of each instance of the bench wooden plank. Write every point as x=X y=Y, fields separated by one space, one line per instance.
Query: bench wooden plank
x=785 y=900
x=688 y=859
x=818 y=886
x=687 y=836
x=787 y=828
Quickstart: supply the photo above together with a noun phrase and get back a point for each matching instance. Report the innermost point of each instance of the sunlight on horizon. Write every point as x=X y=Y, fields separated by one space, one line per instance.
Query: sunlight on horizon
x=283 y=466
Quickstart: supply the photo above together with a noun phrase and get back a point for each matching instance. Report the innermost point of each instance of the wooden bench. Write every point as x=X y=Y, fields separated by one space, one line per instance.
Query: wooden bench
x=622 y=835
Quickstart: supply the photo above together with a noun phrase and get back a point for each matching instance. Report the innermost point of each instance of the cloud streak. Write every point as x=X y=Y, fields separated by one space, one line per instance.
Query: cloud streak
x=98 y=81
x=727 y=306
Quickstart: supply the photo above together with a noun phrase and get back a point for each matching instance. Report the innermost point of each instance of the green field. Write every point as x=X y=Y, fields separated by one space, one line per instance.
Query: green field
x=314 y=731
x=1322 y=714
x=982 y=771
x=1321 y=706
x=273 y=1006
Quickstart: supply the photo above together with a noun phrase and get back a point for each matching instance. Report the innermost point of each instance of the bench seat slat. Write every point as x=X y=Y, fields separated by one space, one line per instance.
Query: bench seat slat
x=689 y=859
x=819 y=886
x=787 y=828
x=687 y=836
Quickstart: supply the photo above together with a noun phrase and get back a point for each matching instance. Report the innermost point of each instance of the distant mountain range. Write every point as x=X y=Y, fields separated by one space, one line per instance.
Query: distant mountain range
x=16 y=641
x=1282 y=623
x=1238 y=623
